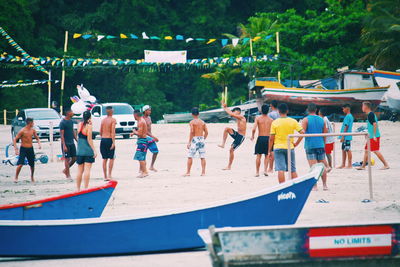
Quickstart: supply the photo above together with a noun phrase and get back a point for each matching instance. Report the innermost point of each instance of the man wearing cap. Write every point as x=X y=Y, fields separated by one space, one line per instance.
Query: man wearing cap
x=151 y=139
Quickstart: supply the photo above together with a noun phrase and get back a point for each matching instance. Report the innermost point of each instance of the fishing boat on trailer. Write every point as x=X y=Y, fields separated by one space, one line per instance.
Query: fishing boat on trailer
x=350 y=87
x=391 y=79
x=88 y=203
x=173 y=230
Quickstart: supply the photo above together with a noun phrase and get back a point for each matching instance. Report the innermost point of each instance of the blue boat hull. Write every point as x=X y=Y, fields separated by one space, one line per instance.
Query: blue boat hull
x=173 y=231
x=85 y=204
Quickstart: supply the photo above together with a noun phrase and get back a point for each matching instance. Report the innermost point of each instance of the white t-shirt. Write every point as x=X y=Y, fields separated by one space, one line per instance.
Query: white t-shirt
x=329 y=139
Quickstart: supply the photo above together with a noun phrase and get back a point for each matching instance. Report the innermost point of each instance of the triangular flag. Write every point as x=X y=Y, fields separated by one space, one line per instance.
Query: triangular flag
x=168 y=37
x=123 y=36
x=267 y=37
x=224 y=42
x=99 y=37
x=179 y=37
x=144 y=35
x=133 y=36
x=189 y=40
x=111 y=37
x=256 y=38
x=235 y=41
x=155 y=38
x=200 y=39
x=245 y=40
x=211 y=41
x=86 y=36
x=76 y=35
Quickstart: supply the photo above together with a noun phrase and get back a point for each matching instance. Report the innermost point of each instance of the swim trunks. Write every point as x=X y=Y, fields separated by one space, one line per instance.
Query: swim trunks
x=141 y=150
x=262 y=145
x=346 y=145
x=329 y=148
x=71 y=151
x=84 y=159
x=315 y=153
x=152 y=145
x=197 y=145
x=375 y=145
x=28 y=153
x=237 y=139
x=105 y=148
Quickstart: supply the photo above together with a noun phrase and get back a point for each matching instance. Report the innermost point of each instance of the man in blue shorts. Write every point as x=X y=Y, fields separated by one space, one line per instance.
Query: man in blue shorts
x=151 y=139
x=347 y=127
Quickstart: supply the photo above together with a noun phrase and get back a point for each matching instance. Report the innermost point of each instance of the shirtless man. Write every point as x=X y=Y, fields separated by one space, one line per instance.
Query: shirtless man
x=263 y=123
x=238 y=136
x=198 y=134
x=26 y=149
x=151 y=139
x=107 y=144
x=141 y=150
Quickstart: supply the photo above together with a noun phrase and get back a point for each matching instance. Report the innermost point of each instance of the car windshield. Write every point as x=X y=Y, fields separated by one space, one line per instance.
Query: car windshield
x=120 y=110
x=46 y=114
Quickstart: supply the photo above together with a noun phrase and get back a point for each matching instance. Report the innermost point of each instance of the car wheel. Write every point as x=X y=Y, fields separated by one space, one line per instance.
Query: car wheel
x=125 y=136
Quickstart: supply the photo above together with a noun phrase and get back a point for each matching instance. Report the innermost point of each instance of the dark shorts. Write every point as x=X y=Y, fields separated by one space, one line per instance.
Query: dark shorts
x=28 y=153
x=315 y=154
x=84 y=159
x=71 y=151
x=105 y=148
x=346 y=145
x=262 y=145
x=141 y=150
x=237 y=139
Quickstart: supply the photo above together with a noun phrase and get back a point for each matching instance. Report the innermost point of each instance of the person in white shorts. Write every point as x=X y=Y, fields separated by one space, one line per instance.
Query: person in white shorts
x=196 y=144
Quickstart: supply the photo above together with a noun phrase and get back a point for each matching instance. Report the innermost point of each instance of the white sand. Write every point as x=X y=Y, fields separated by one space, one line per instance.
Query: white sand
x=167 y=189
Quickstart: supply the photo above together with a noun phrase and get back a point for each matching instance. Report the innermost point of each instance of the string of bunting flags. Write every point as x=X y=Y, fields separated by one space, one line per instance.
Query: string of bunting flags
x=25 y=55
x=92 y=62
x=7 y=84
x=144 y=36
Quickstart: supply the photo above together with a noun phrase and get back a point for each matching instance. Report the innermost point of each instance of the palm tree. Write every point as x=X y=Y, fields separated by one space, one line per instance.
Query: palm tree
x=382 y=32
x=222 y=76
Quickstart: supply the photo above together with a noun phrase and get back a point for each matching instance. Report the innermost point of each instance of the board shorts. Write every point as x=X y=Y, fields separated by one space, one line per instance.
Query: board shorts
x=28 y=153
x=71 y=151
x=197 y=146
x=315 y=154
x=84 y=159
x=105 y=148
x=262 y=145
x=152 y=145
x=375 y=145
x=237 y=139
x=346 y=145
x=141 y=150
x=281 y=160
x=329 y=148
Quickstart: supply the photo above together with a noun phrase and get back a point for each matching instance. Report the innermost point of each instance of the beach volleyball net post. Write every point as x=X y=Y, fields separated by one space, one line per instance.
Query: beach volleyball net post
x=290 y=136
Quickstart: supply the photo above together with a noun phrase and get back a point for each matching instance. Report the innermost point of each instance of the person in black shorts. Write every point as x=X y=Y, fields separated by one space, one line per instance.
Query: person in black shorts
x=26 y=151
x=107 y=144
x=68 y=136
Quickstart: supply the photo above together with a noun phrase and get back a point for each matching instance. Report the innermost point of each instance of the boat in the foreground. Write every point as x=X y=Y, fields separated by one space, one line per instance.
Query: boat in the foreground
x=349 y=87
x=307 y=245
x=88 y=203
x=173 y=230
x=391 y=79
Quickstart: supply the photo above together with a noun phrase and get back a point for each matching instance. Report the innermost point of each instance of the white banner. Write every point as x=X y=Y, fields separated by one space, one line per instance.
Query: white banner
x=351 y=241
x=152 y=56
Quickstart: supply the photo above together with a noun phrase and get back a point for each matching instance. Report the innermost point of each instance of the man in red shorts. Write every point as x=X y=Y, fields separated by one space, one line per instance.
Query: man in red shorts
x=374 y=136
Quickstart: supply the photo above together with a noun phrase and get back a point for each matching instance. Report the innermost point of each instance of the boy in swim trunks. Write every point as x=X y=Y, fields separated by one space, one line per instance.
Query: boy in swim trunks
x=141 y=149
x=151 y=139
x=107 y=144
x=238 y=136
x=263 y=123
x=198 y=134
x=26 y=149
x=347 y=127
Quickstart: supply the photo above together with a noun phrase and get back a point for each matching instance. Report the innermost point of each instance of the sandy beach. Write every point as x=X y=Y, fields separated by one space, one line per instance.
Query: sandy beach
x=167 y=189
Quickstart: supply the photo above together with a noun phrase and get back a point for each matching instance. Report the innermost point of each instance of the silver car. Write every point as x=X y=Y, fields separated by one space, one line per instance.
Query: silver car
x=42 y=118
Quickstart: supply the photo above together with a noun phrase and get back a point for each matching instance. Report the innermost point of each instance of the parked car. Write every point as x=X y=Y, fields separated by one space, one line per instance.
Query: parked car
x=123 y=113
x=42 y=118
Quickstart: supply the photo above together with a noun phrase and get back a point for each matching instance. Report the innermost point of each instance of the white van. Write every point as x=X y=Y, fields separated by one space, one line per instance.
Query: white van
x=123 y=113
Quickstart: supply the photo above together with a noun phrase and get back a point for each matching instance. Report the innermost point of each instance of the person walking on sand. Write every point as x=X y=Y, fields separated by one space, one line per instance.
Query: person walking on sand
x=107 y=143
x=347 y=127
x=198 y=135
x=315 y=146
x=330 y=140
x=273 y=114
x=86 y=153
x=280 y=129
x=151 y=139
x=26 y=149
x=374 y=136
x=68 y=136
x=263 y=124
x=141 y=149
x=238 y=136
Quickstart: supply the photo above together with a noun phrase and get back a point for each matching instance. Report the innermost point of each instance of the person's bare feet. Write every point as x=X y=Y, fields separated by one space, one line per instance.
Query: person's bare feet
x=340 y=167
x=315 y=188
x=153 y=169
x=257 y=175
x=226 y=169
x=265 y=174
x=325 y=188
x=348 y=167
x=143 y=174
x=270 y=170
x=32 y=180
x=15 y=181
x=385 y=168
x=186 y=175
x=203 y=174
x=221 y=146
x=329 y=169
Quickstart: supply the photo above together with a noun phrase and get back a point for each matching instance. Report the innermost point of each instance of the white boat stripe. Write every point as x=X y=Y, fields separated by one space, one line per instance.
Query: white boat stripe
x=351 y=241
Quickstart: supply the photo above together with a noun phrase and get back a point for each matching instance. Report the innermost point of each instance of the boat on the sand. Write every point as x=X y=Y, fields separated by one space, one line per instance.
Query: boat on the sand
x=88 y=203
x=162 y=231
x=391 y=79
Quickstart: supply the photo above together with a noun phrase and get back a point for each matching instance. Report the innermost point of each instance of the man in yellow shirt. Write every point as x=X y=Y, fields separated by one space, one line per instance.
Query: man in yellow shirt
x=280 y=129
